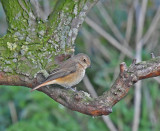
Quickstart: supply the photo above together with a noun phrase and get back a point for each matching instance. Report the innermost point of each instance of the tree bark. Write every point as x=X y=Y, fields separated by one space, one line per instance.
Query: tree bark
x=31 y=44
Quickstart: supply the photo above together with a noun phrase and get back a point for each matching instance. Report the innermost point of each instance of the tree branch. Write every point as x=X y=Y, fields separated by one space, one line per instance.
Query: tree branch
x=81 y=101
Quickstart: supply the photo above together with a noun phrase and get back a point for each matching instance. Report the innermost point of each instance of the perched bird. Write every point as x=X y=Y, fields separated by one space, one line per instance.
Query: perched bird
x=69 y=72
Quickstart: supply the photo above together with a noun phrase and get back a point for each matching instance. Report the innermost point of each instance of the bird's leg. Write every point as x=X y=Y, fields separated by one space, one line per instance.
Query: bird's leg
x=74 y=88
x=71 y=88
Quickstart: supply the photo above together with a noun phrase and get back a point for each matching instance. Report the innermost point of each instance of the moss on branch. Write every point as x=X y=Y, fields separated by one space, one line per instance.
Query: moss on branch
x=31 y=44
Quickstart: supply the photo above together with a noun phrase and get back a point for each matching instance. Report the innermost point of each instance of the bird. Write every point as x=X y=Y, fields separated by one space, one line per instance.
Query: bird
x=69 y=72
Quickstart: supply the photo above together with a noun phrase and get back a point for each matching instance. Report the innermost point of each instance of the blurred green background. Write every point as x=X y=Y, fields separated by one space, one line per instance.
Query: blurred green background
x=21 y=110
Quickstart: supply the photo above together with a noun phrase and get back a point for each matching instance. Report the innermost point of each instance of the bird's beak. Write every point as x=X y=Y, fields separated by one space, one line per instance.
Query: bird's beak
x=90 y=66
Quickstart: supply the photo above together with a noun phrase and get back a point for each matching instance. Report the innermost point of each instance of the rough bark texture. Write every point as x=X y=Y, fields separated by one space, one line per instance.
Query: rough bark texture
x=32 y=46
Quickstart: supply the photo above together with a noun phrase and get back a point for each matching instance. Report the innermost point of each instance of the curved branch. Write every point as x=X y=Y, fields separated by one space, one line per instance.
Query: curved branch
x=81 y=101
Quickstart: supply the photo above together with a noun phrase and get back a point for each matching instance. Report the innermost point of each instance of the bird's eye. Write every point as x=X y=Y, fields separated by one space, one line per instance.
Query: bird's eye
x=84 y=60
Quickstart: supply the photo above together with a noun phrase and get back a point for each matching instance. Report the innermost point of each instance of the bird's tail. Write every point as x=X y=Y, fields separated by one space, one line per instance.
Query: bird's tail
x=43 y=84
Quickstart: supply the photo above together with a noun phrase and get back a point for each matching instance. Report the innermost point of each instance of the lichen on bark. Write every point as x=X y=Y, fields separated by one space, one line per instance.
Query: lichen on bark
x=31 y=44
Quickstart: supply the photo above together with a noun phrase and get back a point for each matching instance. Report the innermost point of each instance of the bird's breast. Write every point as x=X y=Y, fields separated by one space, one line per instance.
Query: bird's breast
x=71 y=79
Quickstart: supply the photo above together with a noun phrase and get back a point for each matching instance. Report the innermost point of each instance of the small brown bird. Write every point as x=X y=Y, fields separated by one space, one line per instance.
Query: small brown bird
x=69 y=73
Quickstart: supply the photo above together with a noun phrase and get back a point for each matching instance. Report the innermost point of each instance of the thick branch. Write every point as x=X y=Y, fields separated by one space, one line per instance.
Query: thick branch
x=102 y=105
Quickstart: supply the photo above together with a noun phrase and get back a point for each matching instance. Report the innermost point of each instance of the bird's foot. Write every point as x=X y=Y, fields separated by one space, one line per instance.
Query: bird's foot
x=73 y=89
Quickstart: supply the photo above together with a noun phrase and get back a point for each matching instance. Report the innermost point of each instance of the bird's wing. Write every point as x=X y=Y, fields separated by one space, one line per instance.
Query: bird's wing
x=64 y=64
x=64 y=69
x=62 y=72
x=57 y=74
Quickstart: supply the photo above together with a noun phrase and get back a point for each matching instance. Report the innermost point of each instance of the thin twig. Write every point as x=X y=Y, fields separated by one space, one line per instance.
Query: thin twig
x=128 y=34
x=153 y=42
x=108 y=37
x=137 y=106
x=102 y=49
x=149 y=104
x=13 y=112
x=110 y=23
x=137 y=98
x=129 y=23
x=96 y=43
x=152 y=27
x=140 y=20
x=157 y=79
x=109 y=123
x=89 y=87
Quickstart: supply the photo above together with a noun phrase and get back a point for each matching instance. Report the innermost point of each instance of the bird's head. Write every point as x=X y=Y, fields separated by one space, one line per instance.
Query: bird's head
x=83 y=59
